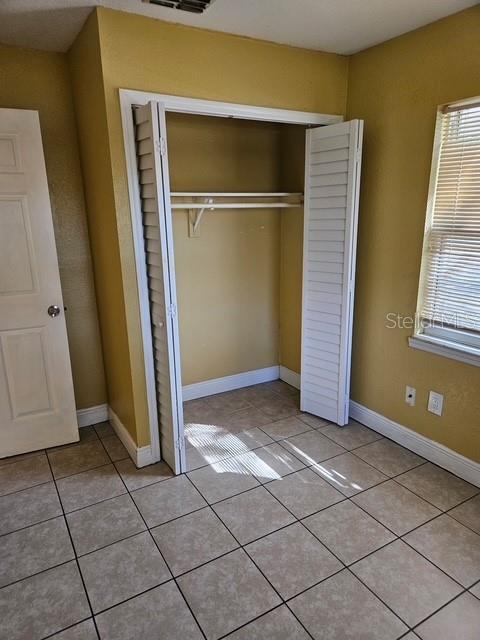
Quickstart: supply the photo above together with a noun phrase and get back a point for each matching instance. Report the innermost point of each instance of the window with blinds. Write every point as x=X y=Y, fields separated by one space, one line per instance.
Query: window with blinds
x=449 y=291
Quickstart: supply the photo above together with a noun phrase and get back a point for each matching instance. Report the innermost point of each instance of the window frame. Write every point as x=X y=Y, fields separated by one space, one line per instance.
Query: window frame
x=456 y=344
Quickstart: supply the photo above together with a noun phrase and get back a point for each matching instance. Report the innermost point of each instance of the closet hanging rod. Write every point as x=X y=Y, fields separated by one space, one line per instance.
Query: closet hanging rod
x=235 y=205
x=199 y=203
x=238 y=194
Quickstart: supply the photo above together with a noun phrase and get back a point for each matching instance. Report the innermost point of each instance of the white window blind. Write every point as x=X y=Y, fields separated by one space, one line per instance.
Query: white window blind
x=449 y=295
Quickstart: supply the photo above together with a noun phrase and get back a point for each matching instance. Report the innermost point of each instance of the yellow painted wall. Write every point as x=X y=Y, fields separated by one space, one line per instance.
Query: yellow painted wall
x=40 y=80
x=291 y=252
x=141 y=53
x=396 y=87
x=228 y=277
x=87 y=82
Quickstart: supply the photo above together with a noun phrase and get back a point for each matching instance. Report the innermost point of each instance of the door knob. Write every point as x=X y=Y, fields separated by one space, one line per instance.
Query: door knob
x=53 y=310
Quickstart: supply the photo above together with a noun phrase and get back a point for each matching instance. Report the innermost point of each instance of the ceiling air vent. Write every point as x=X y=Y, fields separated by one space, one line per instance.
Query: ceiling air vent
x=193 y=6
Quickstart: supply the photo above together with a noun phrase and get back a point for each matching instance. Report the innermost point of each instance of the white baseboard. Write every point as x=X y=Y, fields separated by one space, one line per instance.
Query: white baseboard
x=92 y=415
x=229 y=383
x=428 y=449
x=290 y=377
x=141 y=456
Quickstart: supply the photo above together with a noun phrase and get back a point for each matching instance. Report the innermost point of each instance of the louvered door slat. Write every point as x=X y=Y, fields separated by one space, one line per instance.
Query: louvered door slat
x=158 y=243
x=331 y=202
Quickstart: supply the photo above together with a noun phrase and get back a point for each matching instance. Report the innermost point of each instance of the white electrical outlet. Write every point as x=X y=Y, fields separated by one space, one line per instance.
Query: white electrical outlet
x=410 y=396
x=435 y=403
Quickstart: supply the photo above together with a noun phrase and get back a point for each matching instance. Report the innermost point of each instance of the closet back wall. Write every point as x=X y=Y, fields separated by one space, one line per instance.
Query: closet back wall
x=292 y=177
x=228 y=277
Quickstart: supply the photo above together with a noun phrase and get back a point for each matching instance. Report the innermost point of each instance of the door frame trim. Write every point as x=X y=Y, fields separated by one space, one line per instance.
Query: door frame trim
x=180 y=104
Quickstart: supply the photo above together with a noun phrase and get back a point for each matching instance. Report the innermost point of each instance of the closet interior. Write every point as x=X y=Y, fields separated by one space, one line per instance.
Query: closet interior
x=242 y=278
x=236 y=191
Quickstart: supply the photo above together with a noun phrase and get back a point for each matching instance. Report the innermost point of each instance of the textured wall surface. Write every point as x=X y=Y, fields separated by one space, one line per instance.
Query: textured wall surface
x=39 y=80
x=87 y=82
x=126 y=51
x=227 y=278
x=396 y=87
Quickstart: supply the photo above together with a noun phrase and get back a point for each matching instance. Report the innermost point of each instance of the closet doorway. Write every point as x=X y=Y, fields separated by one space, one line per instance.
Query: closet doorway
x=229 y=217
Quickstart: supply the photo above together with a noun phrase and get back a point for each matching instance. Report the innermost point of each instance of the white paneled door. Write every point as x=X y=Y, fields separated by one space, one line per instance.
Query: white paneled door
x=37 y=406
x=332 y=179
x=152 y=164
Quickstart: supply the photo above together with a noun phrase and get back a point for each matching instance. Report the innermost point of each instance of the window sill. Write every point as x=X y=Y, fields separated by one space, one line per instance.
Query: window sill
x=452 y=350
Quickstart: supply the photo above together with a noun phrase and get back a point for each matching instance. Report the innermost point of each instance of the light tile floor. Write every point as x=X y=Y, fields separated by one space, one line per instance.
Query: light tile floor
x=286 y=527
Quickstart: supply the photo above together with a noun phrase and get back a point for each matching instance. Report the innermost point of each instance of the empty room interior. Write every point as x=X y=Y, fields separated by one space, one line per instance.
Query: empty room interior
x=242 y=398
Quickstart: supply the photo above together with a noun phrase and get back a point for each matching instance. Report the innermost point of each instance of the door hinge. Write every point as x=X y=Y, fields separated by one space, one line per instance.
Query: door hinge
x=178 y=444
x=358 y=155
x=172 y=310
x=161 y=146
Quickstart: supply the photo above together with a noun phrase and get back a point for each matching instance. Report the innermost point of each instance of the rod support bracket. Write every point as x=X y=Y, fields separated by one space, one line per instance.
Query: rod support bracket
x=195 y=217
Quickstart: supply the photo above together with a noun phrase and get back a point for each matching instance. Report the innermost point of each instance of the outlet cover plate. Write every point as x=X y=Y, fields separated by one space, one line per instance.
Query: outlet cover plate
x=435 y=403
x=410 y=395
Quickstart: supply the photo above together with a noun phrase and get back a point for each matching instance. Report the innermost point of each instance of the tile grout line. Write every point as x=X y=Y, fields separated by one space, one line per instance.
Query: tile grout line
x=382 y=437
x=212 y=504
x=442 y=512
x=230 y=455
x=33 y=524
x=459 y=595
x=286 y=601
x=424 y=460
x=401 y=537
x=105 y=546
x=438 y=515
x=161 y=555
x=242 y=547
x=75 y=553
x=77 y=473
x=382 y=524
x=253 y=405
x=279 y=606
x=344 y=566
x=39 y=484
x=300 y=521
x=38 y=573
x=6 y=461
x=297 y=520
x=44 y=453
x=312 y=467
x=70 y=626
x=280 y=441
x=351 y=451
x=397 y=537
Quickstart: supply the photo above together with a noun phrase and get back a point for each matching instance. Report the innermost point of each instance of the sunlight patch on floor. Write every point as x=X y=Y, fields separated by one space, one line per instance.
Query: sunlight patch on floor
x=250 y=464
x=336 y=478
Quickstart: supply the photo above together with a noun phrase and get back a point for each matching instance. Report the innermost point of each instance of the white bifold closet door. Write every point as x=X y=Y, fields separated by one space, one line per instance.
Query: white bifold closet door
x=152 y=161
x=332 y=177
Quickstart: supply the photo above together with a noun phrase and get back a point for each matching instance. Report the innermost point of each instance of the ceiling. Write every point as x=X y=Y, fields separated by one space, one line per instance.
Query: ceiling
x=339 y=26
